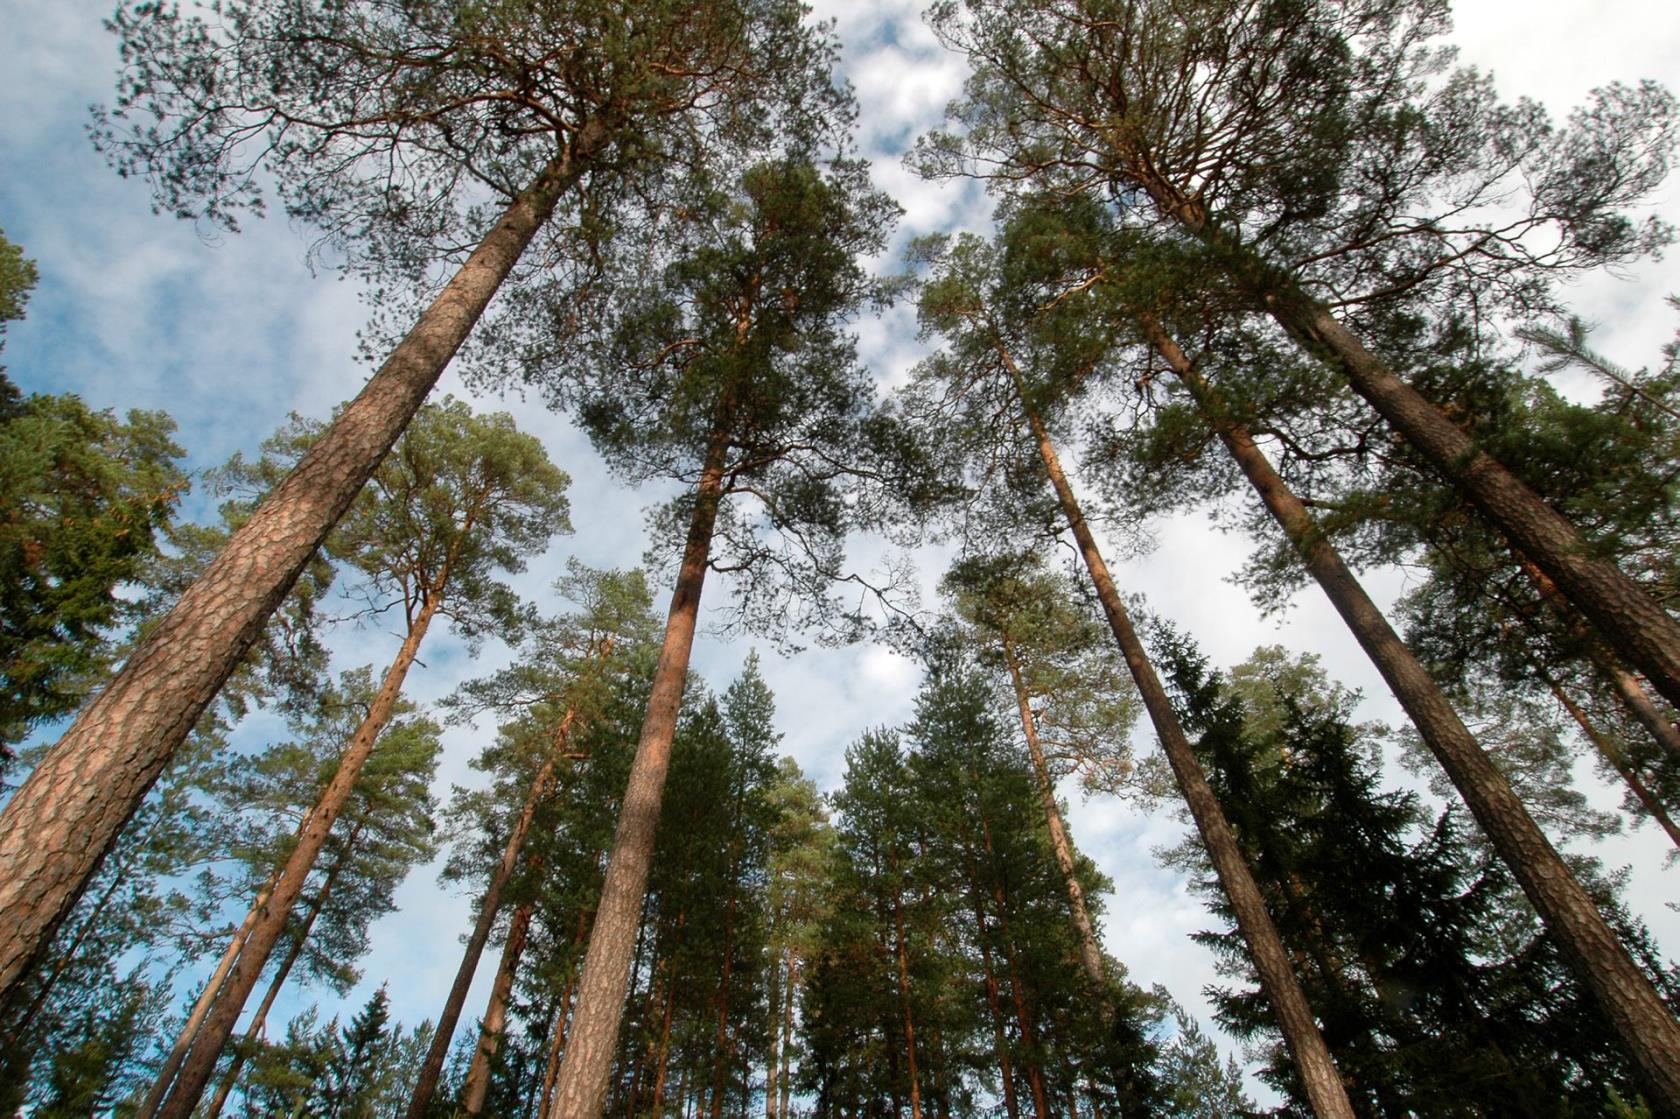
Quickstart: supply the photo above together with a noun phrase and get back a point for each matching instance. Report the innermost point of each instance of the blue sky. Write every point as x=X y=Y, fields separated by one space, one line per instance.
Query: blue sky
x=229 y=334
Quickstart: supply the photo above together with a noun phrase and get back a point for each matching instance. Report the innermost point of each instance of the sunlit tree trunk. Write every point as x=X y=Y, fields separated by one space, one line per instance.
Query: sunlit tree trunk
x=489 y=906
x=1090 y=954
x=265 y=933
x=581 y=1090
x=58 y=826
x=477 y=1084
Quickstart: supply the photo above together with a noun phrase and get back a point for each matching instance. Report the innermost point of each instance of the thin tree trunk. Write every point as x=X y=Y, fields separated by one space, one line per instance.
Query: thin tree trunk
x=664 y=1060
x=477 y=1085
x=1647 y=1028
x=260 y=1019
x=903 y=954
x=1006 y=1071
x=1283 y=990
x=787 y=1035
x=1622 y=682
x=557 y=1038
x=432 y=1068
x=65 y=817
x=1612 y=753
x=218 y=1025
x=1090 y=955
x=581 y=1092
x=206 y=999
x=773 y=1064
x=1017 y=994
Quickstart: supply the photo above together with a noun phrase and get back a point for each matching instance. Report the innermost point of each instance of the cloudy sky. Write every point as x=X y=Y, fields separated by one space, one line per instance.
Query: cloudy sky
x=230 y=334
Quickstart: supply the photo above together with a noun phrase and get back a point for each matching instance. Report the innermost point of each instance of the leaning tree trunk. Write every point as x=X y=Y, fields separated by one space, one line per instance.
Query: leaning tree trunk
x=260 y=1019
x=1634 y=623
x=206 y=999
x=60 y=823
x=476 y=1089
x=1090 y=955
x=218 y=1024
x=1614 y=756
x=1312 y=1059
x=581 y=1090
x=1637 y=627
x=432 y=1068
x=1646 y=1026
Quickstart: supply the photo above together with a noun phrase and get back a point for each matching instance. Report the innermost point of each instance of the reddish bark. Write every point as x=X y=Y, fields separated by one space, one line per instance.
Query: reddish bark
x=61 y=822
x=1312 y=1059
x=581 y=1089
x=477 y=1085
x=200 y=1062
x=1633 y=1006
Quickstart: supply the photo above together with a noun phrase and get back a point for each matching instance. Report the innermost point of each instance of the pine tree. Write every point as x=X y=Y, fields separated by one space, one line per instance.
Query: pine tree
x=742 y=383
x=385 y=129
x=461 y=498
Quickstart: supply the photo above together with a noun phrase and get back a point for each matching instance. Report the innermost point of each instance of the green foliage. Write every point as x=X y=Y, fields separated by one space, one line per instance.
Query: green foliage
x=87 y=496
x=1463 y=1006
x=17 y=280
x=726 y=340
x=359 y=1070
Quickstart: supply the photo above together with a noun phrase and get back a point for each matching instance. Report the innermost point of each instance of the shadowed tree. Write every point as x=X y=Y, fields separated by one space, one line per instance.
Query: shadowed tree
x=403 y=134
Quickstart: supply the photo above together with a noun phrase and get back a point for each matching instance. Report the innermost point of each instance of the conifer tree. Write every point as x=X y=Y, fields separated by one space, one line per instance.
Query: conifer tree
x=461 y=498
x=387 y=130
x=726 y=365
x=963 y=303
x=559 y=682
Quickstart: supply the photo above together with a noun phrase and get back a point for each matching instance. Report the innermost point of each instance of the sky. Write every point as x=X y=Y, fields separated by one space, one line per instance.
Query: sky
x=231 y=333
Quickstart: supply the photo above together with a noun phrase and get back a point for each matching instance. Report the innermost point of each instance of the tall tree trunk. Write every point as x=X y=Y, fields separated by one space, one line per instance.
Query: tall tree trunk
x=477 y=1085
x=787 y=1036
x=1090 y=955
x=581 y=1092
x=903 y=953
x=1006 y=1071
x=664 y=1059
x=218 y=1024
x=1626 y=686
x=1647 y=1028
x=432 y=1068
x=1612 y=754
x=1283 y=990
x=260 y=1019
x=206 y=999
x=772 y=1066
x=563 y=1015
x=1637 y=627
x=65 y=817
x=1017 y=991
x=720 y=1061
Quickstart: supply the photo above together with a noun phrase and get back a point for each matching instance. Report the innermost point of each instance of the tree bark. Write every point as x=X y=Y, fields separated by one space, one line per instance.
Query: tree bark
x=581 y=1092
x=66 y=816
x=1612 y=753
x=1283 y=990
x=1627 y=998
x=259 y=1020
x=432 y=1068
x=218 y=1024
x=1090 y=955
x=787 y=1036
x=903 y=954
x=1636 y=626
x=477 y=1086
x=206 y=999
